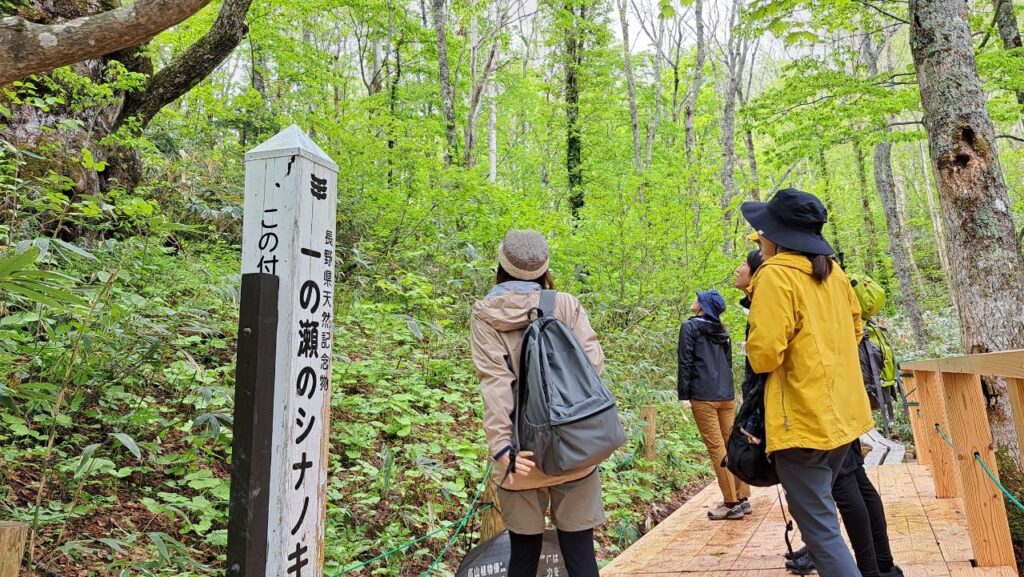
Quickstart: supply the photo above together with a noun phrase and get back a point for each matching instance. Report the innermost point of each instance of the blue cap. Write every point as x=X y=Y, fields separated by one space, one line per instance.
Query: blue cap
x=712 y=303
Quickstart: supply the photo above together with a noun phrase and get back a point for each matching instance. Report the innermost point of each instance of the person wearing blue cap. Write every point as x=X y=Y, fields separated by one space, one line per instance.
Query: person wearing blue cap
x=705 y=386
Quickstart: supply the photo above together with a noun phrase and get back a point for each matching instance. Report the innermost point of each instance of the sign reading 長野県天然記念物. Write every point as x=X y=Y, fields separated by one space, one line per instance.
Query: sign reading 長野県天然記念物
x=279 y=455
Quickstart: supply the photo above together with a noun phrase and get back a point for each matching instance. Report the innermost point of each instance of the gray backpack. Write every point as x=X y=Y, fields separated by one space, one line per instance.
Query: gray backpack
x=563 y=412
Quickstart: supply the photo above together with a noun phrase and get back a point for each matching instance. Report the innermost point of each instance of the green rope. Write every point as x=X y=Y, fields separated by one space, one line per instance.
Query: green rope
x=991 y=475
x=995 y=480
x=944 y=437
x=460 y=523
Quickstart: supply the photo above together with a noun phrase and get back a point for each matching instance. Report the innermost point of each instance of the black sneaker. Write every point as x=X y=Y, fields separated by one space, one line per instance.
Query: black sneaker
x=796 y=554
x=894 y=572
x=801 y=566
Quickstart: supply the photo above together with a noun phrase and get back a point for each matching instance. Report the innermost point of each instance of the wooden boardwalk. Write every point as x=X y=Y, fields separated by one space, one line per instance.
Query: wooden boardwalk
x=928 y=535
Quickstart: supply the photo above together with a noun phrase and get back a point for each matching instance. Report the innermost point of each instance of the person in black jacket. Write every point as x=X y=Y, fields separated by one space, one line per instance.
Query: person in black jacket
x=864 y=517
x=706 y=387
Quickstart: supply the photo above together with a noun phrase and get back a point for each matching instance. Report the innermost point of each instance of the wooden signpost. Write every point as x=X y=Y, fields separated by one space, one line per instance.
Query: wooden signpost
x=283 y=385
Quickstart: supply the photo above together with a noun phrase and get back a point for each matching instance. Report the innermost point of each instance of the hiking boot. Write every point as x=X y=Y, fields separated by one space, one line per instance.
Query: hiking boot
x=796 y=554
x=894 y=572
x=747 y=509
x=724 y=511
x=801 y=566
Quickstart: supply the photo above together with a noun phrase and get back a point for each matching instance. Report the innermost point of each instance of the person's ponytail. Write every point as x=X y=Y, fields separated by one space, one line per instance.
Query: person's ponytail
x=821 y=267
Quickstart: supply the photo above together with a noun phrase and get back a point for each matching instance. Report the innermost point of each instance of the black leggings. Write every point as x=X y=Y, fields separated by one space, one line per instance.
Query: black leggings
x=577 y=552
x=861 y=507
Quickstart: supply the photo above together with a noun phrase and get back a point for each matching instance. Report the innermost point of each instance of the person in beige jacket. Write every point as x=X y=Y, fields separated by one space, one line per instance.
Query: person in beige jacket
x=526 y=494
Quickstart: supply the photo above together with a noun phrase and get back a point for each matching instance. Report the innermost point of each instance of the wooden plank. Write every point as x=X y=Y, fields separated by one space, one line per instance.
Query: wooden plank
x=986 y=511
x=1008 y=364
x=933 y=412
x=13 y=537
x=913 y=399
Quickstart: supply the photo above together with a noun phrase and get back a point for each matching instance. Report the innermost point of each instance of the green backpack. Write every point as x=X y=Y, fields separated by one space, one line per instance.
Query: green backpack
x=870 y=294
x=876 y=335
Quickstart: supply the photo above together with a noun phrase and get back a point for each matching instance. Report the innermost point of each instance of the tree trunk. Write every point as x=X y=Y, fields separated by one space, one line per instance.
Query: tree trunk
x=190 y=68
x=28 y=48
x=655 y=119
x=933 y=212
x=735 y=60
x=690 y=109
x=871 y=258
x=447 y=91
x=634 y=120
x=492 y=137
x=573 y=140
x=1009 y=32
x=984 y=251
x=901 y=257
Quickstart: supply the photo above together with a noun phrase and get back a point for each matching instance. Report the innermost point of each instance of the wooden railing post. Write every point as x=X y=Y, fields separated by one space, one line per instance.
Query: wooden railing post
x=1016 y=389
x=650 y=416
x=983 y=502
x=933 y=412
x=13 y=537
x=491 y=522
x=914 y=410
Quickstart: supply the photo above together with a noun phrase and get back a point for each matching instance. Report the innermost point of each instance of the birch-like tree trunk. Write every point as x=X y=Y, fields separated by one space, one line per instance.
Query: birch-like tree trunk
x=655 y=118
x=984 y=251
x=885 y=183
x=634 y=119
x=690 y=108
x=735 y=59
x=445 y=78
x=933 y=212
x=898 y=247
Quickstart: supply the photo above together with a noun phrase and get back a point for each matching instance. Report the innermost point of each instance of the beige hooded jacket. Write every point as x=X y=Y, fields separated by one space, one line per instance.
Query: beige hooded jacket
x=497 y=333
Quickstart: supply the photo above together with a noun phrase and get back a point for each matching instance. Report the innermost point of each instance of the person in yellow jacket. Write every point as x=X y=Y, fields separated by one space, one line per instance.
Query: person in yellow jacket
x=804 y=328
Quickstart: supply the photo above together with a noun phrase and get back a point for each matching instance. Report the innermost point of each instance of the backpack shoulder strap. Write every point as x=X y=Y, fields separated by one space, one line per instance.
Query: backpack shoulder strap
x=547 y=302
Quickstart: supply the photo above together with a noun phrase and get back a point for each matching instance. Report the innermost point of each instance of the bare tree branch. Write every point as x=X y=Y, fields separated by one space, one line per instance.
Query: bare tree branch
x=883 y=12
x=27 y=48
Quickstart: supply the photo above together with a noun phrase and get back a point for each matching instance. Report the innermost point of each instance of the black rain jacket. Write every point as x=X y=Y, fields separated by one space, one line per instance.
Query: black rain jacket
x=705 y=361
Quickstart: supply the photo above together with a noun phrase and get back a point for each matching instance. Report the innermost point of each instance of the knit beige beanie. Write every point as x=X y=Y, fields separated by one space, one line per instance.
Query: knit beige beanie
x=524 y=254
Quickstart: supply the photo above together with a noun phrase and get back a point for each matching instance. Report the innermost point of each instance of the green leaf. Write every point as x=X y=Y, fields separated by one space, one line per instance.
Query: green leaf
x=129 y=443
x=86 y=457
x=158 y=540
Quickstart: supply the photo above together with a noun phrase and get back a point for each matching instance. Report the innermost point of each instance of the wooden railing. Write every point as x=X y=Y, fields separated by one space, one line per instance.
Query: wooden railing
x=948 y=408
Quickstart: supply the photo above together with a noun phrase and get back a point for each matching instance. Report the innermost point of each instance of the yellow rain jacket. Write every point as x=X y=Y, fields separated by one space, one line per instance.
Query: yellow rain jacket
x=805 y=334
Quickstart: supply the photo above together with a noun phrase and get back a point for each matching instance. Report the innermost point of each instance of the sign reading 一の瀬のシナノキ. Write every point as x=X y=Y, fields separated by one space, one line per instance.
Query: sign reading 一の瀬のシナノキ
x=288 y=231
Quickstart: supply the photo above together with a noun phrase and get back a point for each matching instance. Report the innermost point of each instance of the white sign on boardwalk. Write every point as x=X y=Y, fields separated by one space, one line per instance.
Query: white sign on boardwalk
x=288 y=231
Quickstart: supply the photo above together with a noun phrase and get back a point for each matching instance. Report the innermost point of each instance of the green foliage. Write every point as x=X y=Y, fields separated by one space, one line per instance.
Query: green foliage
x=119 y=298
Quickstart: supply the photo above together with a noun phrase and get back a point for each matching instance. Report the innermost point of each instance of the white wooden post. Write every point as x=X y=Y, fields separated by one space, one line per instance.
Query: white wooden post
x=289 y=231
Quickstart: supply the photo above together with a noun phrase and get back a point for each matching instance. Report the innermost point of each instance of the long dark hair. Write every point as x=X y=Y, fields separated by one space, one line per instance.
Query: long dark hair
x=821 y=265
x=546 y=281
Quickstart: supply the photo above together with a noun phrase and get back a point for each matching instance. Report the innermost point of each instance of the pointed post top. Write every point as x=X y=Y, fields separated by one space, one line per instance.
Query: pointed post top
x=289 y=142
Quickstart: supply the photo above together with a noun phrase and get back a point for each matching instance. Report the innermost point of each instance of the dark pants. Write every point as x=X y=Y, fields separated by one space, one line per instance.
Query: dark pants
x=577 y=552
x=808 y=476
x=864 y=518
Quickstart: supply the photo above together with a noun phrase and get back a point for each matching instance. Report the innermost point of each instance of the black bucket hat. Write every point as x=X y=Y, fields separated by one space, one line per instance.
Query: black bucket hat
x=792 y=219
